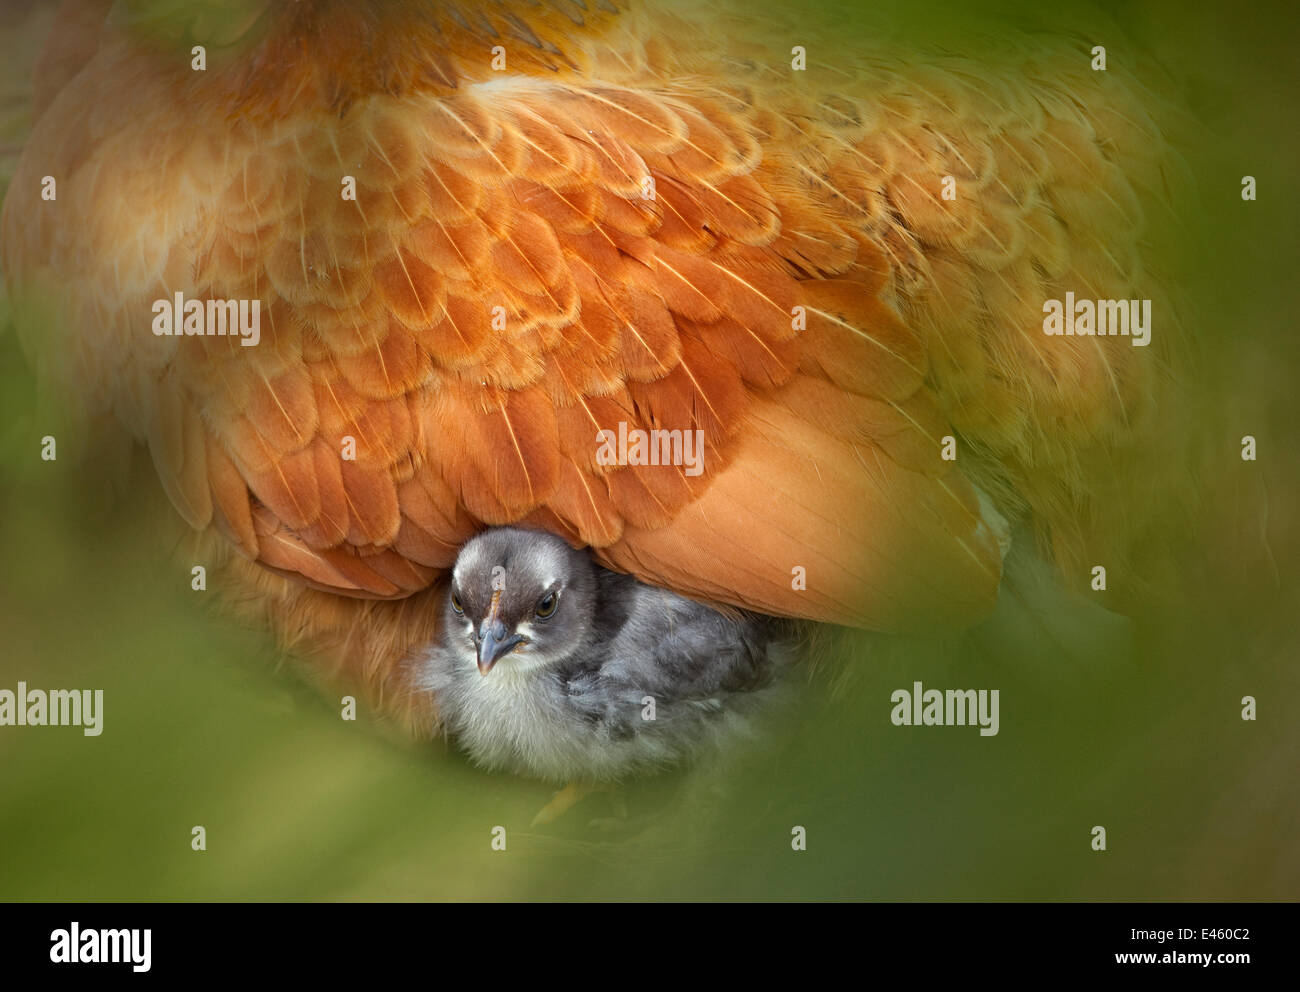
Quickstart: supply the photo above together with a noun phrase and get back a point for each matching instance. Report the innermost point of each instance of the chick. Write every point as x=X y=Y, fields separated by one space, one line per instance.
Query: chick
x=549 y=666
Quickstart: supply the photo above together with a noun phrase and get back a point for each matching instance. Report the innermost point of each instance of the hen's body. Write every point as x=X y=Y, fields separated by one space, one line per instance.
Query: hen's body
x=648 y=217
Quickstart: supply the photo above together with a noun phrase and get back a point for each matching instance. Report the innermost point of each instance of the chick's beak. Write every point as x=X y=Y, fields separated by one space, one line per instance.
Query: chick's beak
x=494 y=641
x=493 y=645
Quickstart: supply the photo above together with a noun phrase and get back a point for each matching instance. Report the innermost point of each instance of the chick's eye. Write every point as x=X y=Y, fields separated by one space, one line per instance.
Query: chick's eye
x=546 y=605
x=456 y=605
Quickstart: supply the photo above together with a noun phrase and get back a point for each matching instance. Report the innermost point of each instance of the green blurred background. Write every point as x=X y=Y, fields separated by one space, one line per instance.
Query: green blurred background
x=203 y=726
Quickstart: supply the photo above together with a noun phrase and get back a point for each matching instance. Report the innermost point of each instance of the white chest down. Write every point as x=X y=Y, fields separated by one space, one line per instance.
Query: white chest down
x=520 y=722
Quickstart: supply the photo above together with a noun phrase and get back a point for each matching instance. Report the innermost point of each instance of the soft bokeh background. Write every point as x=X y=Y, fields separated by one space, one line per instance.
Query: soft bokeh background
x=203 y=725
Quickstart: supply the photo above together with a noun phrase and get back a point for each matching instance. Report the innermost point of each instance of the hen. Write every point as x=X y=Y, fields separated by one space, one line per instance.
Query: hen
x=480 y=235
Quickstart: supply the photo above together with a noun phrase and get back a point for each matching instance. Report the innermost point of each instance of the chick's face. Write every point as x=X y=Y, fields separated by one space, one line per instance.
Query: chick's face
x=519 y=598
